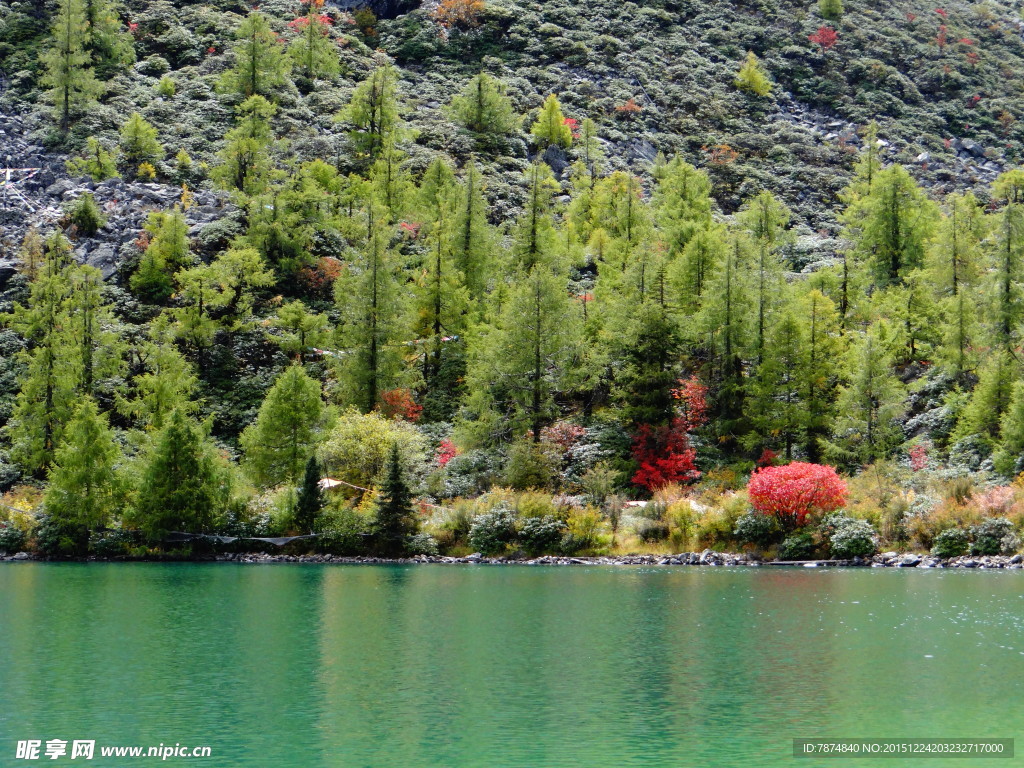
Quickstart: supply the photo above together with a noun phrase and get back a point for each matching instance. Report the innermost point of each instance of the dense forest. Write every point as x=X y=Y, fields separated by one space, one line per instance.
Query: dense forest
x=481 y=276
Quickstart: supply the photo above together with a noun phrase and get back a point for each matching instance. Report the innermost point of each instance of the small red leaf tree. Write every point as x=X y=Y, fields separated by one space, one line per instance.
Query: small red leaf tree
x=663 y=452
x=826 y=37
x=793 y=491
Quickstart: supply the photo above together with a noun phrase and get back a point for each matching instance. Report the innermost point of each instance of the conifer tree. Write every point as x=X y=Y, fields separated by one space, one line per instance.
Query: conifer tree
x=1008 y=260
x=891 y=225
x=97 y=162
x=473 y=241
x=280 y=442
x=724 y=330
x=394 y=520
x=261 y=67
x=301 y=329
x=820 y=378
x=523 y=359
x=70 y=80
x=138 y=144
x=682 y=202
x=1009 y=454
x=391 y=181
x=91 y=319
x=776 y=407
x=483 y=108
x=84 y=487
x=46 y=399
x=830 y=9
x=312 y=51
x=246 y=162
x=765 y=218
x=441 y=299
x=550 y=128
x=534 y=240
x=752 y=77
x=371 y=310
x=182 y=485
x=990 y=398
x=309 y=502
x=106 y=38
x=163 y=382
x=373 y=113
x=869 y=404
x=167 y=252
x=649 y=354
x=690 y=273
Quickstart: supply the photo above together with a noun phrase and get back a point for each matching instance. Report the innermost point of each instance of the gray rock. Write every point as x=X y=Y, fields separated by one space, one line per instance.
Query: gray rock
x=20 y=556
x=1016 y=559
x=909 y=560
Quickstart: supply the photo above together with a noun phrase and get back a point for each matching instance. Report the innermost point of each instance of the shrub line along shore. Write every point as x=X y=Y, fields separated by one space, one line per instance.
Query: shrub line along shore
x=705 y=558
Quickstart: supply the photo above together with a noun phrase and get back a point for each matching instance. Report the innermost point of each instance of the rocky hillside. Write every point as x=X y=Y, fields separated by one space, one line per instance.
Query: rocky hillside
x=944 y=83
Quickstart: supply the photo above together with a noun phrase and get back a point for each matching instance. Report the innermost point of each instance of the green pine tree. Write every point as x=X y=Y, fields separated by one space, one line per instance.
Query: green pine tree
x=261 y=67
x=279 y=443
x=891 y=225
x=138 y=144
x=483 y=108
x=70 y=80
x=752 y=77
x=183 y=486
x=550 y=128
x=313 y=51
x=869 y=404
x=246 y=163
x=373 y=113
x=394 y=521
x=84 y=488
x=309 y=502
x=1008 y=456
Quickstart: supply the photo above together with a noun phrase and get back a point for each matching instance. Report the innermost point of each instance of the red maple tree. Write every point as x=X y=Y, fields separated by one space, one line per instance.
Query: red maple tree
x=398 y=404
x=826 y=37
x=793 y=491
x=664 y=455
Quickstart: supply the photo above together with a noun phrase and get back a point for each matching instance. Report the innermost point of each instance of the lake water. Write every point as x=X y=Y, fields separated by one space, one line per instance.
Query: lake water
x=282 y=665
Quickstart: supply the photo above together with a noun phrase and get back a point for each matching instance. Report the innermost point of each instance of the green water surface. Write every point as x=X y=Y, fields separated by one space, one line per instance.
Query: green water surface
x=283 y=665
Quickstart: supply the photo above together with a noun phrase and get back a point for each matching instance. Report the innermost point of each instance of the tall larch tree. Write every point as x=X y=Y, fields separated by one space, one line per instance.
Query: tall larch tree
x=70 y=79
x=261 y=67
x=281 y=440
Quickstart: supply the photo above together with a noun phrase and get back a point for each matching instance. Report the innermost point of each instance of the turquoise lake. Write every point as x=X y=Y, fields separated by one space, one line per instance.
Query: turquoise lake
x=366 y=666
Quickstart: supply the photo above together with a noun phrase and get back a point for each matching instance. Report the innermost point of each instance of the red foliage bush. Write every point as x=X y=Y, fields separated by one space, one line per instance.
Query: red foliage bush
x=693 y=403
x=826 y=37
x=318 y=280
x=664 y=455
x=446 y=451
x=398 y=404
x=793 y=491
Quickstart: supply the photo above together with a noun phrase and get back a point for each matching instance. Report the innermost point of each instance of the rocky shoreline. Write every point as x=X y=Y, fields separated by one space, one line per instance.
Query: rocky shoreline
x=705 y=558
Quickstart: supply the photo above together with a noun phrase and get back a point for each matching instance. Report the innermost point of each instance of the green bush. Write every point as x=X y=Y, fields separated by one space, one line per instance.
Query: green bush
x=541 y=534
x=650 y=531
x=995 y=536
x=86 y=215
x=492 y=532
x=421 y=544
x=56 y=538
x=343 y=532
x=12 y=538
x=114 y=543
x=852 y=537
x=799 y=546
x=952 y=542
x=760 y=530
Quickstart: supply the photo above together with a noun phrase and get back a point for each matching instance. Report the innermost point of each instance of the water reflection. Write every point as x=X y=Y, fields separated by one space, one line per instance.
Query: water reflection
x=372 y=666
